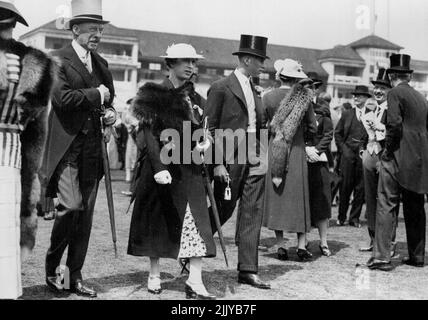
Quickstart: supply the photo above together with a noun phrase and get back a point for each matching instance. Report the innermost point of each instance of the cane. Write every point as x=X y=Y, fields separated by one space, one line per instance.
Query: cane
x=212 y=198
x=109 y=192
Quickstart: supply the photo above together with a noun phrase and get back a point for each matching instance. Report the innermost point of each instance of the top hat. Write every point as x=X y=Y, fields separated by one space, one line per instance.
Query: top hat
x=86 y=11
x=10 y=8
x=361 y=90
x=317 y=82
x=399 y=63
x=252 y=45
x=382 y=78
x=181 y=51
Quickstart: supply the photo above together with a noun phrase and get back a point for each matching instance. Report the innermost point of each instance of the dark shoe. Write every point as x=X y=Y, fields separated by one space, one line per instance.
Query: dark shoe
x=252 y=280
x=370 y=262
x=192 y=294
x=83 y=291
x=412 y=263
x=282 y=254
x=325 y=251
x=184 y=262
x=355 y=224
x=366 y=249
x=304 y=255
x=54 y=284
x=49 y=215
x=382 y=266
x=340 y=223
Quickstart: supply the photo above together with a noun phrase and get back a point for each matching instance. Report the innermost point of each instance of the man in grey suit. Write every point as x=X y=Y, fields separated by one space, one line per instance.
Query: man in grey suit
x=404 y=168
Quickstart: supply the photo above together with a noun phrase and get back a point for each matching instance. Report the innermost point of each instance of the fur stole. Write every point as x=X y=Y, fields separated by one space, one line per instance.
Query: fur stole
x=284 y=125
x=38 y=74
x=158 y=107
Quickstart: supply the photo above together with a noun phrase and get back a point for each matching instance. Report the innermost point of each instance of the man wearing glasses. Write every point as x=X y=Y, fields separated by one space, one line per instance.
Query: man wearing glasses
x=73 y=159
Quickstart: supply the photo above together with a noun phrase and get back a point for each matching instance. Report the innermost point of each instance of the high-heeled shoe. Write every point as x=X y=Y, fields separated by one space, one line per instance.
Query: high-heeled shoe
x=325 y=251
x=154 y=285
x=282 y=254
x=304 y=255
x=192 y=294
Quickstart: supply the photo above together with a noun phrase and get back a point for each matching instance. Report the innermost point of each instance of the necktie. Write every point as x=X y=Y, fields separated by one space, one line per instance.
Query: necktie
x=85 y=60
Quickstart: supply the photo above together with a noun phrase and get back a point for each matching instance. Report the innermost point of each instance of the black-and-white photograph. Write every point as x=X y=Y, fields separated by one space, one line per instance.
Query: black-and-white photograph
x=237 y=150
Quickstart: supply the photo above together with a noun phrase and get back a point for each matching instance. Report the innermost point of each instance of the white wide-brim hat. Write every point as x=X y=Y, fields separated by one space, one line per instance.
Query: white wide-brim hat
x=181 y=51
x=289 y=68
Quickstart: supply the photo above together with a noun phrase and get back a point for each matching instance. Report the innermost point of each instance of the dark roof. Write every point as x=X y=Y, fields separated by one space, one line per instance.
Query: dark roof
x=341 y=52
x=419 y=65
x=374 y=41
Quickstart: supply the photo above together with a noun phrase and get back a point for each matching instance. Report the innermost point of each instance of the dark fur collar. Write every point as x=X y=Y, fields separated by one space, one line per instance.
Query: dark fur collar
x=159 y=107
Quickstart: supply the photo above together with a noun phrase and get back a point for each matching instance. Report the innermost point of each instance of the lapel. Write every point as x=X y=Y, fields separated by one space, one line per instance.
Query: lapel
x=104 y=72
x=258 y=103
x=77 y=65
x=236 y=89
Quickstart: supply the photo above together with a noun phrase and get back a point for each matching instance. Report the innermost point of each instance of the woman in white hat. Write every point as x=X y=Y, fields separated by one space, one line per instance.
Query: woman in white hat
x=26 y=77
x=292 y=121
x=170 y=217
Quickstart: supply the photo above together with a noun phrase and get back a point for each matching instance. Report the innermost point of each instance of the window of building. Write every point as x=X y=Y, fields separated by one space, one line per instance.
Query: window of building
x=155 y=66
x=227 y=72
x=264 y=76
x=211 y=71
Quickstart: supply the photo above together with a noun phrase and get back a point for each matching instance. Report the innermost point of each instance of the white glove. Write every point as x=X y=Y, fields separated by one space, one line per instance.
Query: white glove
x=312 y=154
x=204 y=145
x=163 y=177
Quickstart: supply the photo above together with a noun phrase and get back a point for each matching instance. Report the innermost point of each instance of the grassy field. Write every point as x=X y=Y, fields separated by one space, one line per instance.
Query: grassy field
x=335 y=277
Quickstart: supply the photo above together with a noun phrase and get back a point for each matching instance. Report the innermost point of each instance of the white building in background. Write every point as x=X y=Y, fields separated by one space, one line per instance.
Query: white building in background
x=133 y=57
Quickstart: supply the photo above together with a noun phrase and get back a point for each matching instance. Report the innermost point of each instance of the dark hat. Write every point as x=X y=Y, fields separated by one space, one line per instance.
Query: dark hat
x=317 y=82
x=399 y=63
x=252 y=45
x=10 y=7
x=382 y=78
x=86 y=11
x=361 y=90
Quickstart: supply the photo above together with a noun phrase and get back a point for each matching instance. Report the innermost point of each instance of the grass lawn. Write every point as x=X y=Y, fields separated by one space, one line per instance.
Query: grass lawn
x=335 y=277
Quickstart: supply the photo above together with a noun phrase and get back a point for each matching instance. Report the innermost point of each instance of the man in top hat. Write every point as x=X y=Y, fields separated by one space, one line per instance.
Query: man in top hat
x=72 y=165
x=349 y=134
x=233 y=103
x=26 y=79
x=403 y=169
x=374 y=122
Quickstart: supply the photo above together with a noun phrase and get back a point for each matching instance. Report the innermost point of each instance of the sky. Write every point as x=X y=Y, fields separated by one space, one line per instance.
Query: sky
x=319 y=24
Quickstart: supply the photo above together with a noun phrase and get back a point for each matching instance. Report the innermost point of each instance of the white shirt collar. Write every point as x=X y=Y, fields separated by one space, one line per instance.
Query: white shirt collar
x=81 y=52
x=242 y=78
x=383 y=105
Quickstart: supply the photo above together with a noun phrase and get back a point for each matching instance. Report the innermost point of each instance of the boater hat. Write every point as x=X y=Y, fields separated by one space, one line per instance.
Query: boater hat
x=8 y=13
x=399 y=63
x=361 y=90
x=289 y=68
x=252 y=45
x=86 y=11
x=181 y=51
x=382 y=78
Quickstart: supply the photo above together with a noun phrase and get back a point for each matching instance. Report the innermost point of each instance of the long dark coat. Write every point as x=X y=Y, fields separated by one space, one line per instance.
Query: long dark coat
x=287 y=207
x=159 y=210
x=407 y=136
x=73 y=100
x=319 y=177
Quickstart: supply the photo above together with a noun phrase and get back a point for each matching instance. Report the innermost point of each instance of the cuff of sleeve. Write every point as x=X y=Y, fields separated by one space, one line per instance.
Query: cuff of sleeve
x=101 y=95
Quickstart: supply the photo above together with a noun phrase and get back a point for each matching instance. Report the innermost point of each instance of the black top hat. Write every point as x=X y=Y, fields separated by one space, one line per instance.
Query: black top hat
x=382 y=78
x=317 y=82
x=9 y=7
x=253 y=45
x=399 y=63
x=361 y=90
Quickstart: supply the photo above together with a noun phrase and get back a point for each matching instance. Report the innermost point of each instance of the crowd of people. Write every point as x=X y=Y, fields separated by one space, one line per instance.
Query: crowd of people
x=285 y=179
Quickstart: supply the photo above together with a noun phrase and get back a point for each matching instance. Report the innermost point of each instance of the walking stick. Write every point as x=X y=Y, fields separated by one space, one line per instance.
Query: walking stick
x=107 y=180
x=212 y=199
